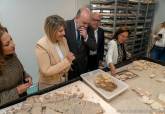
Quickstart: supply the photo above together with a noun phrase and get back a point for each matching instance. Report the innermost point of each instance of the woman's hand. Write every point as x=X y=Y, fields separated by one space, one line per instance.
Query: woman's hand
x=101 y=64
x=29 y=80
x=113 y=69
x=22 y=88
x=70 y=57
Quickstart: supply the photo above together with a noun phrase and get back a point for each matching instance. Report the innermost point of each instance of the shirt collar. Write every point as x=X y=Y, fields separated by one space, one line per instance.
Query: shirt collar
x=96 y=30
x=76 y=28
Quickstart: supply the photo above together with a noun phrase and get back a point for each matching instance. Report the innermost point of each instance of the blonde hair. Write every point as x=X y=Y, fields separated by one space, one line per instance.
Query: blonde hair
x=52 y=24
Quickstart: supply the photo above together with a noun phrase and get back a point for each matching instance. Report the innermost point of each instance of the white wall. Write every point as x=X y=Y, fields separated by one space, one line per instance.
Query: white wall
x=159 y=13
x=24 y=20
x=81 y=3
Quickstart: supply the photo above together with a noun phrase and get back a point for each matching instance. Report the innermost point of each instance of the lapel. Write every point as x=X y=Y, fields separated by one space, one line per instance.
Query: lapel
x=53 y=52
x=99 y=38
x=73 y=34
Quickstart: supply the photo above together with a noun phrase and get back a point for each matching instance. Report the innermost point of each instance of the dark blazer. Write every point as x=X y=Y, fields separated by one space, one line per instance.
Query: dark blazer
x=93 y=62
x=100 y=45
x=81 y=52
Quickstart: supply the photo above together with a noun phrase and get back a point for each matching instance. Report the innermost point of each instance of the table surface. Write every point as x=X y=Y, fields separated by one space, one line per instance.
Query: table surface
x=89 y=95
x=127 y=102
x=131 y=103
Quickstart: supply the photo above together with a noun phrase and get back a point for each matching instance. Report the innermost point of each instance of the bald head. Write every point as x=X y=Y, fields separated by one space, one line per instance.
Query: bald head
x=83 y=17
x=83 y=11
x=95 y=20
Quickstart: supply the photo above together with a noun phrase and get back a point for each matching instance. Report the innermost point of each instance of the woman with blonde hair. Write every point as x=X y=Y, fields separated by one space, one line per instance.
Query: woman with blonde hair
x=53 y=55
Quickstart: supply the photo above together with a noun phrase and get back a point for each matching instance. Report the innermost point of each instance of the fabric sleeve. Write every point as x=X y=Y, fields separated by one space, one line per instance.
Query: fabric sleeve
x=8 y=95
x=110 y=52
x=44 y=63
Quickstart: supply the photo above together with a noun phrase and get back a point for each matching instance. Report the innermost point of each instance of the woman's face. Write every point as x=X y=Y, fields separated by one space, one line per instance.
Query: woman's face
x=59 y=34
x=7 y=44
x=122 y=37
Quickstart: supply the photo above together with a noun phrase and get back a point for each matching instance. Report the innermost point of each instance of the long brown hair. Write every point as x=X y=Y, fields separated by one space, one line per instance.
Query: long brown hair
x=116 y=36
x=119 y=31
x=2 y=56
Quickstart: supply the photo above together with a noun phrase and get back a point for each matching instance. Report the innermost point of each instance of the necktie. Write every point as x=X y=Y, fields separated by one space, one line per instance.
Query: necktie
x=78 y=38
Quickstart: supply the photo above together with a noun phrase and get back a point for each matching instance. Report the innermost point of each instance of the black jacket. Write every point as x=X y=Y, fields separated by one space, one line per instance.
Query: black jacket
x=81 y=52
x=93 y=60
x=100 y=44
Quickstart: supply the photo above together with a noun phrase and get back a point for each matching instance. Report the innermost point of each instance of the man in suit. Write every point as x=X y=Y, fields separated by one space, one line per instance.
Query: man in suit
x=95 y=58
x=80 y=39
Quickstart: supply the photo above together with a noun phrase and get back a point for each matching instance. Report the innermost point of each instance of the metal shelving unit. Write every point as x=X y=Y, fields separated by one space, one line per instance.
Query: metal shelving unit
x=137 y=15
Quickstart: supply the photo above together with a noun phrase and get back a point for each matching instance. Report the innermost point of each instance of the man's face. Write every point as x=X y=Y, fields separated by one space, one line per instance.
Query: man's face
x=95 y=21
x=83 y=21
